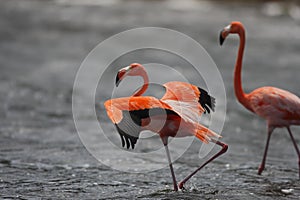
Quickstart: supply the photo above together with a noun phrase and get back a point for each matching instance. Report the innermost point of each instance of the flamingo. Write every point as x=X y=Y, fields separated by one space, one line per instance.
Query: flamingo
x=180 y=108
x=280 y=108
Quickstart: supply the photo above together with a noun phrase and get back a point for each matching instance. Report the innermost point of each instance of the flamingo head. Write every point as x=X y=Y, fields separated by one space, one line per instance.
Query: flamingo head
x=131 y=70
x=233 y=27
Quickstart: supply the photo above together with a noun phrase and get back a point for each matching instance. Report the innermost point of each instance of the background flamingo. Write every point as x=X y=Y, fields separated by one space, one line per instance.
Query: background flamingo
x=278 y=107
x=180 y=107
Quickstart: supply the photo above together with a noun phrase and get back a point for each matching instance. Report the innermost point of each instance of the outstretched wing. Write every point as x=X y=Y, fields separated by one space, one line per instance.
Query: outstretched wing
x=129 y=129
x=188 y=111
x=186 y=92
x=127 y=114
x=114 y=107
x=206 y=101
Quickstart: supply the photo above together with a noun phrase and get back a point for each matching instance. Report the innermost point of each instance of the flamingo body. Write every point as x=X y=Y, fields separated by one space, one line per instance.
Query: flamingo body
x=176 y=114
x=279 y=107
x=132 y=115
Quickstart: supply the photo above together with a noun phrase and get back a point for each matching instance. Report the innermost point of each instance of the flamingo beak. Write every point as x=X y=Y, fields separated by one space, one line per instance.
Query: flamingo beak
x=121 y=74
x=221 y=39
x=118 y=80
x=224 y=33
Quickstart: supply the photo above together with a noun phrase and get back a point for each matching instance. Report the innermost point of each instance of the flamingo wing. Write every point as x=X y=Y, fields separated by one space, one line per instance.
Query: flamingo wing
x=129 y=129
x=275 y=103
x=206 y=101
x=186 y=92
x=114 y=107
x=188 y=111
x=127 y=114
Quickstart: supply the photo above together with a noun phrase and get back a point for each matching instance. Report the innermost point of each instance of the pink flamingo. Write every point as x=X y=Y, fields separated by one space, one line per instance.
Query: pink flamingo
x=278 y=107
x=180 y=107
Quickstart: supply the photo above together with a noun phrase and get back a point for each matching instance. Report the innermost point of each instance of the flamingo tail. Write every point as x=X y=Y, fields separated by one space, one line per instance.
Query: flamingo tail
x=205 y=135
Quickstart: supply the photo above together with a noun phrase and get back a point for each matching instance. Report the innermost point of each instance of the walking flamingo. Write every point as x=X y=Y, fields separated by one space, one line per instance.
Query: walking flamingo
x=180 y=107
x=278 y=107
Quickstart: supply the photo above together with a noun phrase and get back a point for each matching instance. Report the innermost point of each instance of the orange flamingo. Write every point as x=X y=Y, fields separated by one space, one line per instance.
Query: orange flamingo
x=278 y=107
x=180 y=108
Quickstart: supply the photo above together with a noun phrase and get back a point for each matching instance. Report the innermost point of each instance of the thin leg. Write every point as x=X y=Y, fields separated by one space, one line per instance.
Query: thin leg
x=223 y=150
x=296 y=147
x=165 y=142
x=262 y=165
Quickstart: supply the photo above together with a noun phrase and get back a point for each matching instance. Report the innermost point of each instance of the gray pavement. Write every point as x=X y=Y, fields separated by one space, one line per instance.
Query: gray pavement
x=42 y=44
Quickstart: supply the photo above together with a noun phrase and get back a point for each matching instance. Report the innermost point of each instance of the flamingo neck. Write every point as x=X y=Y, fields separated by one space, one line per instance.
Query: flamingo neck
x=239 y=92
x=143 y=89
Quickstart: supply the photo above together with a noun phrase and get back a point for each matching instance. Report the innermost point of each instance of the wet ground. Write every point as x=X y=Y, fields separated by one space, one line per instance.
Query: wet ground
x=42 y=44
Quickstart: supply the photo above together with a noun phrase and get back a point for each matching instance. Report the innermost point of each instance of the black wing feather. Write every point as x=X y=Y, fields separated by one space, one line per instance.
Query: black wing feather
x=206 y=101
x=130 y=126
x=129 y=129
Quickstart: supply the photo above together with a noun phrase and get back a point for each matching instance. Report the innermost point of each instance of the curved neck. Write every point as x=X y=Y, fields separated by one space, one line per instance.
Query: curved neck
x=239 y=92
x=143 y=89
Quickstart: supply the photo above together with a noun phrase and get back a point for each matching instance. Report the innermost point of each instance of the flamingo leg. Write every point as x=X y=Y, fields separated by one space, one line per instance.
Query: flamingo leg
x=165 y=142
x=223 y=150
x=296 y=147
x=263 y=162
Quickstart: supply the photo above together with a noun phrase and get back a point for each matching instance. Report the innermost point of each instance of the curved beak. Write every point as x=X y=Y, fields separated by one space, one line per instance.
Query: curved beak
x=224 y=33
x=221 y=39
x=121 y=74
x=118 y=80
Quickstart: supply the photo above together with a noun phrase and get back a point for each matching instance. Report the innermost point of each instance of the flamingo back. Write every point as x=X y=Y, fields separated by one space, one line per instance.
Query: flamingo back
x=279 y=107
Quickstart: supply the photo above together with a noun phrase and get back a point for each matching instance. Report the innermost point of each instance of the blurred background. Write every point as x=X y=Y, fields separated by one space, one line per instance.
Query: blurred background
x=43 y=43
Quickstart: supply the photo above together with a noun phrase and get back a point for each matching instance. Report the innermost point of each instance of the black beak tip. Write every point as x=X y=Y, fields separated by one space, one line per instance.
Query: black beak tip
x=117 y=81
x=221 y=39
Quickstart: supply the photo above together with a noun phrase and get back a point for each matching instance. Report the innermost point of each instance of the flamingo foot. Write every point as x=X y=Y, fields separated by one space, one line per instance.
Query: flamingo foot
x=260 y=169
x=180 y=185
